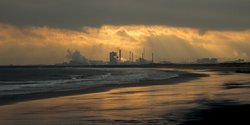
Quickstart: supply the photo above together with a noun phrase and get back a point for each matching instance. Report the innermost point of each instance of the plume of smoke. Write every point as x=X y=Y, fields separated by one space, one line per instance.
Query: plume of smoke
x=75 y=57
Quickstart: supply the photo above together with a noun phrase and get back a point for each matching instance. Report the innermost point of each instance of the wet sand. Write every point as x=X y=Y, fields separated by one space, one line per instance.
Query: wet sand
x=223 y=112
x=151 y=104
x=183 y=76
x=220 y=115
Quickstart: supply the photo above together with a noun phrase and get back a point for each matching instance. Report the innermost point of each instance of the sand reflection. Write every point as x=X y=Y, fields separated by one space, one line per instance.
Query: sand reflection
x=162 y=103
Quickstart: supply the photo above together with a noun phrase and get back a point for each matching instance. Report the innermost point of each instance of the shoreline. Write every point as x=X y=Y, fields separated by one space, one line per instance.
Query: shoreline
x=182 y=77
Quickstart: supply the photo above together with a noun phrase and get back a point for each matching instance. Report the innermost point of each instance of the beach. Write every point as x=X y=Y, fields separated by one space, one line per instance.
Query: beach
x=190 y=98
x=182 y=77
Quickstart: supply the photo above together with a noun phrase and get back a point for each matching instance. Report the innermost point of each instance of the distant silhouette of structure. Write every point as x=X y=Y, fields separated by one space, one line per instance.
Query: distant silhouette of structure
x=236 y=61
x=165 y=62
x=132 y=57
x=116 y=58
x=76 y=58
x=120 y=56
x=113 y=58
x=152 y=58
x=207 y=61
x=97 y=62
x=143 y=54
x=142 y=61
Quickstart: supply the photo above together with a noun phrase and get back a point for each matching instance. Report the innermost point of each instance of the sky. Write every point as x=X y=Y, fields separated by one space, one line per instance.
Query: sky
x=41 y=31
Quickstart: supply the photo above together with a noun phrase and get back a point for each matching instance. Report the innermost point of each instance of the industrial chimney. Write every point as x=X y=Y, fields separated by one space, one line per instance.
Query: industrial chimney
x=120 y=55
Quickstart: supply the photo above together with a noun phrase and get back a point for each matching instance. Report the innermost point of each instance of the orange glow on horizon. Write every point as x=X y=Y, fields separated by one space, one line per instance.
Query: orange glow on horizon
x=49 y=45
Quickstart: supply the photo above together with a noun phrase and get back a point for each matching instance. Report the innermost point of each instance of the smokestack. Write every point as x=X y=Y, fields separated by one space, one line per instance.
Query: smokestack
x=120 y=55
x=143 y=53
x=132 y=57
x=152 y=57
x=129 y=56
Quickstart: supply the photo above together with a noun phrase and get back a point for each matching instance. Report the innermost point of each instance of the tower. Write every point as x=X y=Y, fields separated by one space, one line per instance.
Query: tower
x=132 y=57
x=120 y=55
x=143 y=54
x=113 y=59
x=130 y=53
x=152 y=57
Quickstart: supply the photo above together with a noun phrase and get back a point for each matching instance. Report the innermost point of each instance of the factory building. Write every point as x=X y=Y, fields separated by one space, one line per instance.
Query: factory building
x=113 y=58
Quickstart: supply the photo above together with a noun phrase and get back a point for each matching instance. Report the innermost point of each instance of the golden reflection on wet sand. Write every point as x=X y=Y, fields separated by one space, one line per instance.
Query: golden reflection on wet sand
x=162 y=103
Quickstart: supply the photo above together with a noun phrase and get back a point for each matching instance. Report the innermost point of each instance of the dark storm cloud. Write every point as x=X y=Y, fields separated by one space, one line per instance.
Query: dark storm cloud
x=74 y=14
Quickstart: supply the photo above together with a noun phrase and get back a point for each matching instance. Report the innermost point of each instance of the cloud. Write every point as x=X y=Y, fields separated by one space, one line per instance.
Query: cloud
x=46 y=45
x=75 y=14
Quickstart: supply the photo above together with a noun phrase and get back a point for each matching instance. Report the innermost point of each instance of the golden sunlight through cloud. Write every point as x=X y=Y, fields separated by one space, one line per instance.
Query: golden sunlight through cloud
x=45 y=45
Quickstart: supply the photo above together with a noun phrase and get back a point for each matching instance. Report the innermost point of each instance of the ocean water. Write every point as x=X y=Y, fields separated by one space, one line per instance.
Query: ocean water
x=166 y=104
x=14 y=81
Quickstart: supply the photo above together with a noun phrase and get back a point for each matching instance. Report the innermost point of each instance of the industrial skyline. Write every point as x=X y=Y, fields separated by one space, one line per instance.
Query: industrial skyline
x=35 y=32
x=117 y=58
x=124 y=62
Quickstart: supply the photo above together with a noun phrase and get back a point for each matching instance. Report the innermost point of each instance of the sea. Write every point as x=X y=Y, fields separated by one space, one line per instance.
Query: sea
x=155 y=104
x=15 y=81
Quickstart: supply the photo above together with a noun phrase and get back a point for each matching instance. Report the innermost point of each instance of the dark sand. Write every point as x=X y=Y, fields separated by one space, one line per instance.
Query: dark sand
x=220 y=115
x=221 y=112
